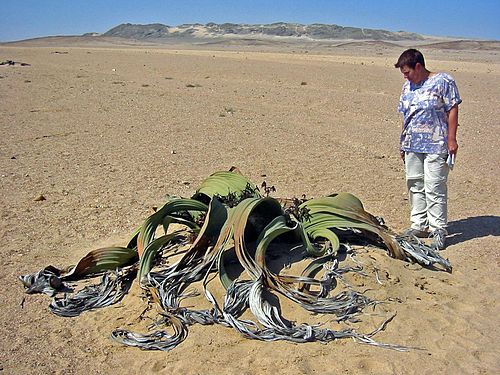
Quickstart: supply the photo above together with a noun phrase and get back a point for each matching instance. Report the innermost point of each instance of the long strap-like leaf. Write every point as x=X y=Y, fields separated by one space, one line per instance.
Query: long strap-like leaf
x=176 y=205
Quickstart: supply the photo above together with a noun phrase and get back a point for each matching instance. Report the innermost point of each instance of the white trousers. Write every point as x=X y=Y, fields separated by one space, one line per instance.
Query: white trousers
x=426 y=178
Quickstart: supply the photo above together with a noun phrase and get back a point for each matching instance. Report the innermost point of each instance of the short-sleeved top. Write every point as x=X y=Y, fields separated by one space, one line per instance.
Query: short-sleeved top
x=425 y=108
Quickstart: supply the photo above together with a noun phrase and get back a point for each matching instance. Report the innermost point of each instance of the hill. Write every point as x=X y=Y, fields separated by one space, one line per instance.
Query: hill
x=279 y=29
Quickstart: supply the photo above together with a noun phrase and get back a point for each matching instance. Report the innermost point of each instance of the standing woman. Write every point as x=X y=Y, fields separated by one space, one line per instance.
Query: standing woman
x=429 y=104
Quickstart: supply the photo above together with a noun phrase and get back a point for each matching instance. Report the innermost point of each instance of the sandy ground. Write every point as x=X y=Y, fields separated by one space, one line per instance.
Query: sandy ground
x=104 y=133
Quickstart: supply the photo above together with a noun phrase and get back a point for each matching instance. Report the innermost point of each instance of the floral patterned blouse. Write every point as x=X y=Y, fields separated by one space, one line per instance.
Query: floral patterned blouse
x=425 y=108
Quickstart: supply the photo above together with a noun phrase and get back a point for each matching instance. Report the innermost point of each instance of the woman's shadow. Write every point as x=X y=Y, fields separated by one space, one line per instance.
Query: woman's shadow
x=473 y=227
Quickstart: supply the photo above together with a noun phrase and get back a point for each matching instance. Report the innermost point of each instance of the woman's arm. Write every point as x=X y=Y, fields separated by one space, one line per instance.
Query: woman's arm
x=452 y=130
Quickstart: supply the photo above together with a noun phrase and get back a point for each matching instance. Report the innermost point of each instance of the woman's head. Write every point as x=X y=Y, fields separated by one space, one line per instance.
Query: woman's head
x=410 y=58
x=411 y=63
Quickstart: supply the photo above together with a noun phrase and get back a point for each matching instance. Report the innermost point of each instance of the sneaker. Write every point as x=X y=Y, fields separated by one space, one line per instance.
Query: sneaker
x=416 y=232
x=438 y=239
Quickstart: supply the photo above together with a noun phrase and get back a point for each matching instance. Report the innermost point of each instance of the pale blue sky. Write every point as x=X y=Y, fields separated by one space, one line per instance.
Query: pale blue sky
x=22 y=19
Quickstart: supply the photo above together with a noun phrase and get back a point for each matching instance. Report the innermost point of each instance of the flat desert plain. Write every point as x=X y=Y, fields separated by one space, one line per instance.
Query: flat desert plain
x=104 y=133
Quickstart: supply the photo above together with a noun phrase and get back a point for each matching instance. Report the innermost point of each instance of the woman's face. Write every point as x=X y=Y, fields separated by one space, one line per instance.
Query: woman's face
x=412 y=75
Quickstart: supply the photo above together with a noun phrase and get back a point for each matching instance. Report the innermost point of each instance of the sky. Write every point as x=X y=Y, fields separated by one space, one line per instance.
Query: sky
x=23 y=19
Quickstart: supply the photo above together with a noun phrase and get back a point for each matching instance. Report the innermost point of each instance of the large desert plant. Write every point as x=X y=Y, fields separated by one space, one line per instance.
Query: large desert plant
x=226 y=229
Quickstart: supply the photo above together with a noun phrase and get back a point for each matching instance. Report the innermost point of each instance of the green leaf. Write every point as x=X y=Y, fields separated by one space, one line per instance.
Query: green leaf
x=249 y=217
x=275 y=228
x=176 y=205
x=222 y=184
x=100 y=260
x=171 y=219
x=342 y=204
x=146 y=262
x=202 y=246
x=344 y=210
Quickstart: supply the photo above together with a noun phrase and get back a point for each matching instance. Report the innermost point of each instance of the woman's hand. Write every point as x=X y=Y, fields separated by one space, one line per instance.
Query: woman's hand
x=452 y=146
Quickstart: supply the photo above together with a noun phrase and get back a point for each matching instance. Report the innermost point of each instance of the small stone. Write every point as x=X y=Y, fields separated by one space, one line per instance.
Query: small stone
x=40 y=198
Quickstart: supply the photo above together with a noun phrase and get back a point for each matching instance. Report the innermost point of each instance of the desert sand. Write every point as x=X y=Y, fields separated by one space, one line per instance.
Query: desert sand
x=105 y=132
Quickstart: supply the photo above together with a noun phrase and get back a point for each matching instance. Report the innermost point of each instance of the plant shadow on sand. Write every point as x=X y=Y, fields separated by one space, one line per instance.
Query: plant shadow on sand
x=473 y=227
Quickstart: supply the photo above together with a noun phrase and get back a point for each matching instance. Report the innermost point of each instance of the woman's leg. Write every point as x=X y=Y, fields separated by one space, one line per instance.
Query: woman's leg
x=436 y=190
x=414 y=165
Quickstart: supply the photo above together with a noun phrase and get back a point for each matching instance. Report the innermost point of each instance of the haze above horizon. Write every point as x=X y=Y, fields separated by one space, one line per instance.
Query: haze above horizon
x=462 y=19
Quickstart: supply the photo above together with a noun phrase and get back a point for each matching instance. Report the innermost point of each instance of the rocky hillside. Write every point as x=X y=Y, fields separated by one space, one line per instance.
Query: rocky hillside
x=280 y=29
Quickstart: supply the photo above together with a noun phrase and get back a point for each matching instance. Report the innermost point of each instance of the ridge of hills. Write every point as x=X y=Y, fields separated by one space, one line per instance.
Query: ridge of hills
x=267 y=36
x=278 y=29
